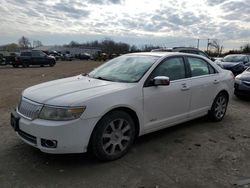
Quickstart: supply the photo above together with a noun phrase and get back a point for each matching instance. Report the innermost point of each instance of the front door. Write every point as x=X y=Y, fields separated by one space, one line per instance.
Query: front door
x=165 y=105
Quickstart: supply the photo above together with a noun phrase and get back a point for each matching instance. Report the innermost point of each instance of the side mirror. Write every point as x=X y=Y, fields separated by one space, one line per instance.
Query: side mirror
x=161 y=81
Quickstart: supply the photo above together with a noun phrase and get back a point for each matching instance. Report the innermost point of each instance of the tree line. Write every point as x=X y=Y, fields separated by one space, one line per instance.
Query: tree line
x=110 y=47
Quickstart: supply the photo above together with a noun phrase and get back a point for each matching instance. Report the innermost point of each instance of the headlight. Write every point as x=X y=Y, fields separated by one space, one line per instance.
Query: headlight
x=61 y=113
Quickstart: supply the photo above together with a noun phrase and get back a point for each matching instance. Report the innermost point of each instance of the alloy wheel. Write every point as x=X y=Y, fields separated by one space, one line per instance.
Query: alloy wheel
x=220 y=106
x=116 y=136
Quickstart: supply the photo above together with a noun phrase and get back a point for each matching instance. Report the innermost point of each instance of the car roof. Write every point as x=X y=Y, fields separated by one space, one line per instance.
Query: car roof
x=164 y=54
x=237 y=55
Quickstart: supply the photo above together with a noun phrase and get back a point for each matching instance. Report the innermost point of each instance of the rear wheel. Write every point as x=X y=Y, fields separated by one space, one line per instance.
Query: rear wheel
x=25 y=65
x=113 y=136
x=15 y=66
x=219 y=107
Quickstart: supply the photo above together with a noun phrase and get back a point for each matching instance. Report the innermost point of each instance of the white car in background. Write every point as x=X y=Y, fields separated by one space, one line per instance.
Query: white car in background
x=129 y=96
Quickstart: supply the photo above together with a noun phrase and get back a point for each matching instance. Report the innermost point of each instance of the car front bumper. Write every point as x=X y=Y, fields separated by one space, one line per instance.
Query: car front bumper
x=70 y=136
x=242 y=89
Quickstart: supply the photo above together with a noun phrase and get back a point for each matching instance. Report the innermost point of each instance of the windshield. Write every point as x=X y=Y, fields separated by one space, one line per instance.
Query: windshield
x=234 y=58
x=124 y=68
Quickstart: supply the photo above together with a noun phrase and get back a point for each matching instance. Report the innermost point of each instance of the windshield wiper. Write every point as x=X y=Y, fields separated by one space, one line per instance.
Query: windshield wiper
x=102 y=78
x=85 y=74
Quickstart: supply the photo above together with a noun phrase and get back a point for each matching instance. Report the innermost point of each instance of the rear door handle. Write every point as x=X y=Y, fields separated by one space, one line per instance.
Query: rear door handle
x=184 y=87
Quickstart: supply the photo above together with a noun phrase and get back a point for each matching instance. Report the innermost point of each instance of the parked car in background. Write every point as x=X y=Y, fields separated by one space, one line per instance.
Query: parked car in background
x=183 y=50
x=84 y=56
x=67 y=57
x=55 y=54
x=126 y=97
x=2 y=60
x=217 y=59
x=34 y=57
x=236 y=63
x=242 y=84
x=11 y=58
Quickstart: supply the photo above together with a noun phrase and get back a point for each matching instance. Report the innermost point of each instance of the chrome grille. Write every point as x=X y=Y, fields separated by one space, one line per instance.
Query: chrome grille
x=29 y=109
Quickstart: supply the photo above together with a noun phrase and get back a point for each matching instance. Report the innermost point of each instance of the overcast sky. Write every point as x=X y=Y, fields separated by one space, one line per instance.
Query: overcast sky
x=161 y=22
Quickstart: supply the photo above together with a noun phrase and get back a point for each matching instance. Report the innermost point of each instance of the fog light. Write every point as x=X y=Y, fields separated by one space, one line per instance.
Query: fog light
x=48 y=143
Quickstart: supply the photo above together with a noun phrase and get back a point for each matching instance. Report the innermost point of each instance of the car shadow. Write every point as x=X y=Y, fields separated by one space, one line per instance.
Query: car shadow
x=18 y=68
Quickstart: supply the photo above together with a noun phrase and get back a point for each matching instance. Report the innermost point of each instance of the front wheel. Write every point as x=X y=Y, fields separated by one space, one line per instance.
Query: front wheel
x=113 y=136
x=219 y=107
x=51 y=64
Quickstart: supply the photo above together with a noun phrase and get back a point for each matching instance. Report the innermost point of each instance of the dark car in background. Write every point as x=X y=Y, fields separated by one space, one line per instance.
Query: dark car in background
x=34 y=57
x=242 y=84
x=2 y=60
x=11 y=58
x=55 y=54
x=83 y=56
x=189 y=50
x=236 y=63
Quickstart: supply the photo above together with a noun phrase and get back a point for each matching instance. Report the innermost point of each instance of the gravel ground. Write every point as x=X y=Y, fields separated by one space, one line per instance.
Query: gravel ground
x=198 y=153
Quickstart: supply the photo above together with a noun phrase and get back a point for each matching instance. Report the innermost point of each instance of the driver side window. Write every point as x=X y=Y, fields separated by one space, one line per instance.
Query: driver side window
x=173 y=68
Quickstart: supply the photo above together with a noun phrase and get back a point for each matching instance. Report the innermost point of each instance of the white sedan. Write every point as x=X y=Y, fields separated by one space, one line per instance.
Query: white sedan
x=129 y=96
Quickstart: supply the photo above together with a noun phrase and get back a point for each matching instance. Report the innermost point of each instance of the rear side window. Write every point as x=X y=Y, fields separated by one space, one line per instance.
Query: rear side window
x=198 y=66
x=211 y=69
x=26 y=54
x=202 y=54
x=174 y=68
x=37 y=54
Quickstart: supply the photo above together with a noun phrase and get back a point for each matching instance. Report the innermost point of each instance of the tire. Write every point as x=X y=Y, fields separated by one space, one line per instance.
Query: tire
x=219 y=107
x=15 y=66
x=113 y=136
x=25 y=65
x=52 y=64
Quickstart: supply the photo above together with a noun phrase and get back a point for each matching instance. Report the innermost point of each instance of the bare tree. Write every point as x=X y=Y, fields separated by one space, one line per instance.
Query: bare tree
x=215 y=44
x=37 y=43
x=24 y=42
x=74 y=44
x=246 y=48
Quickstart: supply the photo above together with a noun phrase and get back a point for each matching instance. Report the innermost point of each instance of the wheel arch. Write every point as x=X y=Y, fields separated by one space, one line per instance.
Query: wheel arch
x=128 y=110
x=225 y=92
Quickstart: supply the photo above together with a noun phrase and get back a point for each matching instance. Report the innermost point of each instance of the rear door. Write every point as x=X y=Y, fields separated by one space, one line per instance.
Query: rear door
x=205 y=85
x=38 y=58
x=165 y=105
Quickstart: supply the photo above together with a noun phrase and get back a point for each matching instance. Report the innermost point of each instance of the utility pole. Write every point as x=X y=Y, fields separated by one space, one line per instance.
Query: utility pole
x=207 y=44
x=198 y=43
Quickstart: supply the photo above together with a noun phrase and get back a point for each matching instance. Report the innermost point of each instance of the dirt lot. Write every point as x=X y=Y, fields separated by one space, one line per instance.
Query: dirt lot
x=194 y=154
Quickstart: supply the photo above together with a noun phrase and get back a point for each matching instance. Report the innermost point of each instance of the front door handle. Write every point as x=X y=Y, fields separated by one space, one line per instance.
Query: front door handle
x=216 y=81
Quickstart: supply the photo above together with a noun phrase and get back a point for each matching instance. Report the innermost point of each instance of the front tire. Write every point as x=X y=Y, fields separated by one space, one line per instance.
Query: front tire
x=219 y=107
x=113 y=136
x=52 y=64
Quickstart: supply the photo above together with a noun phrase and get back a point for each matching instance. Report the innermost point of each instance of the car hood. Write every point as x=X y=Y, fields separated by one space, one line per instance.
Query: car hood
x=245 y=76
x=229 y=64
x=71 y=91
